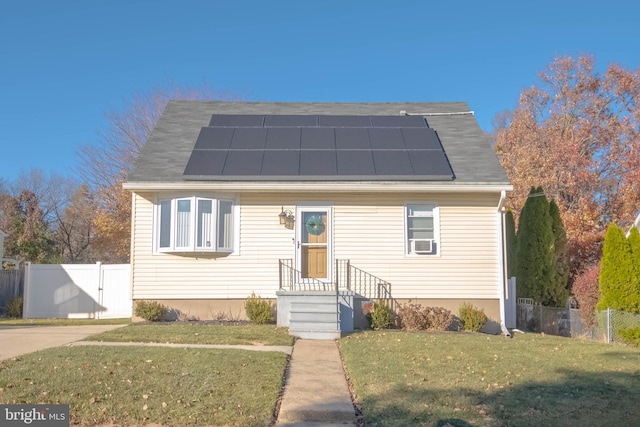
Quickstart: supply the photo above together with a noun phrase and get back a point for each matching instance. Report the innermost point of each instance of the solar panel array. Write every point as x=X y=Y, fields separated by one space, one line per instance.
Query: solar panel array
x=294 y=147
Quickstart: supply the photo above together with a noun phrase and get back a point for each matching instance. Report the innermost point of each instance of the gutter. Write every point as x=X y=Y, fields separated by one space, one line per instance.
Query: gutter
x=503 y=262
x=328 y=186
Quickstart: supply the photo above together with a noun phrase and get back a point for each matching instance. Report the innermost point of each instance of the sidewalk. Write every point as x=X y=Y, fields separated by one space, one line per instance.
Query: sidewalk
x=316 y=392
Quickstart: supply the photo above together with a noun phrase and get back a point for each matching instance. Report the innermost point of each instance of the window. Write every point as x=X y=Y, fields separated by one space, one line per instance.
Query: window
x=194 y=224
x=421 y=229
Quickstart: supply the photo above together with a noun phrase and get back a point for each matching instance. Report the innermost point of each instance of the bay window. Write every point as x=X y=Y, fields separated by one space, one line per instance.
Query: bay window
x=194 y=224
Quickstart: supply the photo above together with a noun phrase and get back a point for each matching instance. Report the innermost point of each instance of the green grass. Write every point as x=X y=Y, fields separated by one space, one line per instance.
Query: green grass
x=465 y=379
x=141 y=385
x=199 y=334
x=61 y=322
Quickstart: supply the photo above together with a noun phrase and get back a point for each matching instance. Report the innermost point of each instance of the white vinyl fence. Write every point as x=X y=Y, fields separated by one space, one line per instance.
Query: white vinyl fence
x=84 y=291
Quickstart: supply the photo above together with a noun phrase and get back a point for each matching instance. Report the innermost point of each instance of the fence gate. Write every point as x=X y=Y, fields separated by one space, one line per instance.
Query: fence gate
x=85 y=291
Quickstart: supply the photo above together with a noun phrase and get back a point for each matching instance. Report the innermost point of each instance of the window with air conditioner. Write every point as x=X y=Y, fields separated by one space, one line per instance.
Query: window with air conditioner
x=421 y=228
x=194 y=224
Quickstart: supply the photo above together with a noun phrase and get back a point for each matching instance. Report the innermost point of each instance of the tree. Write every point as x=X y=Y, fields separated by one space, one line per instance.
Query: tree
x=74 y=227
x=510 y=226
x=561 y=267
x=534 y=254
x=617 y=287
x=634 y=243
x=105 y=165
x=29 y=236
x=577 y=134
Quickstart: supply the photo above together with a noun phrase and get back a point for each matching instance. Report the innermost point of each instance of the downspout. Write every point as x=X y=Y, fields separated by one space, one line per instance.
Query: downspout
x=503 y=264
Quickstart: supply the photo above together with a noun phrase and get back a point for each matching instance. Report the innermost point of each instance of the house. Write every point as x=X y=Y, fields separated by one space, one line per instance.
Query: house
x=635 y=224
x=322 y=206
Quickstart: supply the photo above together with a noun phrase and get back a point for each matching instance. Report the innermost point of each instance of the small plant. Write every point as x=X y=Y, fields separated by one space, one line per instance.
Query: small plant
x=630 y=336
x=151 y=311
x=380 y=317
x=258 y=310
x=471 y=318
x=414 y=317
x=13 y=307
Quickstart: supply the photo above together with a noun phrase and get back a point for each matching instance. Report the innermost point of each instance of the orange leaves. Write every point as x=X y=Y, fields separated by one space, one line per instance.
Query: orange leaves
x=577 y=134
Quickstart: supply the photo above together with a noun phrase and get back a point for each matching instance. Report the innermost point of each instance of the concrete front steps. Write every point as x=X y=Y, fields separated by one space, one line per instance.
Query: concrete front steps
x=316 y=318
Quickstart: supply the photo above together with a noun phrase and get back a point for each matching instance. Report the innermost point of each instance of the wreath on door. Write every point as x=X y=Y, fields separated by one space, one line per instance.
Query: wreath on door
x=315 y=225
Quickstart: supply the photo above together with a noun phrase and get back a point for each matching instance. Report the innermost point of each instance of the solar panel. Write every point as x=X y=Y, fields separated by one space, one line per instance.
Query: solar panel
x=416 y=138
x=352 y=138
x=243 y=163
x=398 y=121
x=238 y=146
x=345 y=121
x=317 y=162
x=249 y=138
x=386 y=139
x=290 y=120
x=205 y=162
x=283 y=138
x=355 y=162
x=430 y=162
x=281 y=163
x=214 y=138
x=392 y=162
x=237 y=120
x=318 y=138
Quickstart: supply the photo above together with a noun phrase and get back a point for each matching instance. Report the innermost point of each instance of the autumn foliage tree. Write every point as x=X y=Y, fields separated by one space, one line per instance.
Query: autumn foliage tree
x=105 y=165
x=577 y=134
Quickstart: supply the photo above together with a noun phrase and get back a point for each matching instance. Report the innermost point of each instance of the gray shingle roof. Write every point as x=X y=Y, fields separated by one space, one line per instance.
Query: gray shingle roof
x=166 y=153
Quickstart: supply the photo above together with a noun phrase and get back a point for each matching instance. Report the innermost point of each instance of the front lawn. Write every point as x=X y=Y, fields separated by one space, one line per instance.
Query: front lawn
x=199 y=333
x=464 y=379
x=143 y=385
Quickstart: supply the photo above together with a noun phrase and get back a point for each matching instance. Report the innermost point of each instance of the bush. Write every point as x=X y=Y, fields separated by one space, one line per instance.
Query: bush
x=414 y=317
x=258 y=310
x=471 y=318
x=380 y=317
x=630 y=335
x=151 y=311
x=585 y=289
x=13 y=307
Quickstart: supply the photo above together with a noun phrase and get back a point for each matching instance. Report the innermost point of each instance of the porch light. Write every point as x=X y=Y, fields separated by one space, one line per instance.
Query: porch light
x=286 y=218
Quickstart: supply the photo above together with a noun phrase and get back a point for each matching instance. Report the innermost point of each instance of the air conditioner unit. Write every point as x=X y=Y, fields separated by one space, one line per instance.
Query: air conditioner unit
x=422 y=246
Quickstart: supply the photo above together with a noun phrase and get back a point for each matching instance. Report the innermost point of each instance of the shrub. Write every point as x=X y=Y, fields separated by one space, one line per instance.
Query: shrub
x=471 y=318
x=585 y=289
x=258 y=310
x=414 y=317
x=151 y=311
x=13 y=307
x=380 y=317
x=630 y=335
x=618 y=288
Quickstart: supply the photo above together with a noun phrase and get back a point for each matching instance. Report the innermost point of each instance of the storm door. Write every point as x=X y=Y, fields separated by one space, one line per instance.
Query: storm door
x=314 y=242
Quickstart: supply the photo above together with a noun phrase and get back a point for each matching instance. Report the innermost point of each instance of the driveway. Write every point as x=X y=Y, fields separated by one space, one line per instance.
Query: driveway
x=18 y=340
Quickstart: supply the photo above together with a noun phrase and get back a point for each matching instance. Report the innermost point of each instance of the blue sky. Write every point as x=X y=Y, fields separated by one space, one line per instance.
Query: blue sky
x=63 y=64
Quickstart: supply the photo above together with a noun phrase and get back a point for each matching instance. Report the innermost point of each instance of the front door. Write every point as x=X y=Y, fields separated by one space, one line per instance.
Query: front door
x=314 y=242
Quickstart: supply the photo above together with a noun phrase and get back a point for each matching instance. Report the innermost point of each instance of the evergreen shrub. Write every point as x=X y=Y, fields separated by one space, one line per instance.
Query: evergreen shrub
x=471 y=318
x=630 y=336
x=151 y=311
x=13 y=307
x=618 y=284
x=381 y=317
x=258 y=310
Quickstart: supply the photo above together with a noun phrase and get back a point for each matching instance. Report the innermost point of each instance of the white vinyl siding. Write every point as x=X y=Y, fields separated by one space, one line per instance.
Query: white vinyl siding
x=368 y=229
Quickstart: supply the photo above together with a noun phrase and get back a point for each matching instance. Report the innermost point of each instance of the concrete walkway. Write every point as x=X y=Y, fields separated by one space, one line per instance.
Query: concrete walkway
x=316 y=392
x=19 y=340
